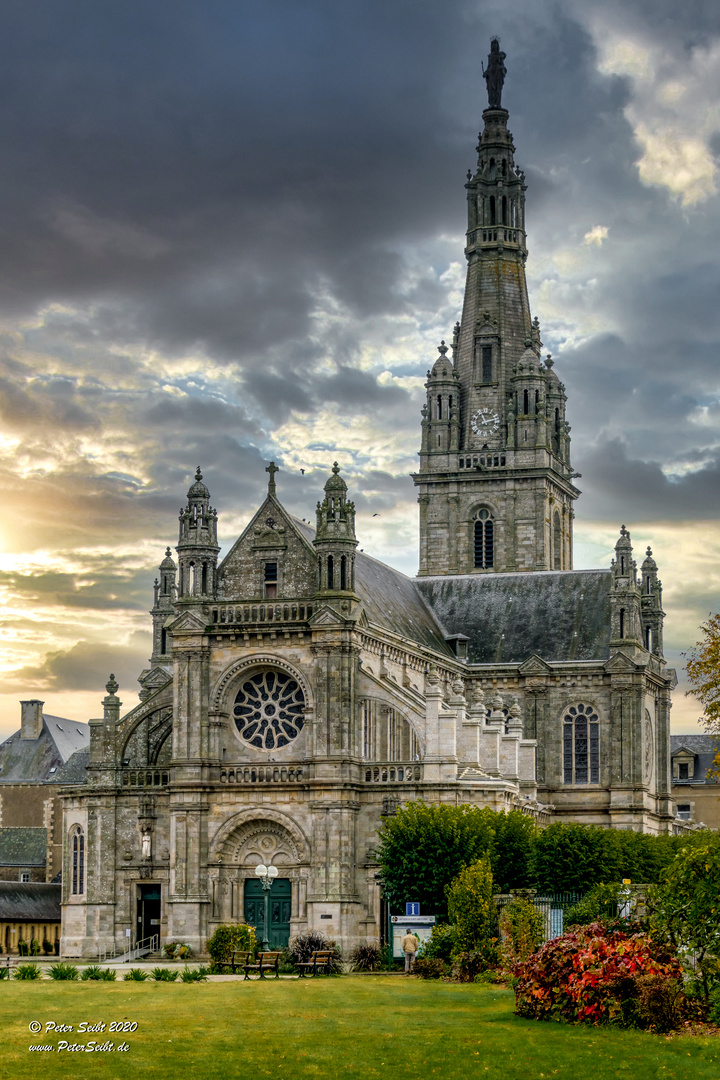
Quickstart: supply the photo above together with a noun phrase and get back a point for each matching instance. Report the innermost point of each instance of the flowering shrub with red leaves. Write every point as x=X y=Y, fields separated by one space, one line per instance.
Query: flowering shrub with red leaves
x=599 y=976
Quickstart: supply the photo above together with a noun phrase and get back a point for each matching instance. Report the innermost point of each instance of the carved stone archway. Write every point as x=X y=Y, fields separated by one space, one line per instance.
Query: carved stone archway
x=246 y=839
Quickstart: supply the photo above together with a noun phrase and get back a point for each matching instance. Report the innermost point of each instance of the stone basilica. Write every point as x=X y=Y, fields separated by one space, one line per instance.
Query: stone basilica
x=299 y=690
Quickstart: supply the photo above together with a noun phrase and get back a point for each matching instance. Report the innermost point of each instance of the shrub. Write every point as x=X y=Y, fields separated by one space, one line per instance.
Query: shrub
x=522 y=929
x=198 y=974
x=440 y=944
x=169 y=949
x=56 y=947
x=136 y=975
x=591 y=976
x=365 y=958
x=303 y=946
x=47 y=947
x=4 y=973
x=160 y=974
x=27 y=971
x=98 y=974
x=34 y=947
x=714 y=1006
x=23 y=947
x=229 y=939
x=430 y=967
x=659 y=1002
x=471 y=906
x=64 y=972
x=599 y=904
x=468 y=964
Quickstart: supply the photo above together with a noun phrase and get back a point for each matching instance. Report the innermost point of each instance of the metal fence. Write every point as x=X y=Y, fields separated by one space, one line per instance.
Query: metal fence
x=553 y=908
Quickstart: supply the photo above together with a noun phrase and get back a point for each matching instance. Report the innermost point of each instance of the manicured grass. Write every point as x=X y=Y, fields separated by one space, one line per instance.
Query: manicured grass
x=325 y=1028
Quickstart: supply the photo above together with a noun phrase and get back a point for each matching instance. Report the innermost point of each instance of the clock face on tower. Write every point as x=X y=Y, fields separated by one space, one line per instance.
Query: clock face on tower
x=485 y=422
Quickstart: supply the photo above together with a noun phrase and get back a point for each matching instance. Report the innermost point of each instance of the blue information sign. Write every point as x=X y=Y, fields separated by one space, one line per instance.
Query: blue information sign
x=412 y=909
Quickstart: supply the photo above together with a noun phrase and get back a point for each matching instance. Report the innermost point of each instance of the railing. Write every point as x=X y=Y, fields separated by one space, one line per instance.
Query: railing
x=482 y=461
x=135 y=950
x=504 y=233
x=392 y=773
x=262 y=774
x=144 y=778
x=232 y=614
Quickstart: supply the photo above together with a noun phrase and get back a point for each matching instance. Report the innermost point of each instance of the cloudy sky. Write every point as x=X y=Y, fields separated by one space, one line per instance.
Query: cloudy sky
x=234 y=232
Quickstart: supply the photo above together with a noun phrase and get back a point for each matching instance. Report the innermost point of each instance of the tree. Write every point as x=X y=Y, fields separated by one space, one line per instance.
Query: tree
x=422 y=848
x=471 y=905
x=685 y=906
x=703 y=672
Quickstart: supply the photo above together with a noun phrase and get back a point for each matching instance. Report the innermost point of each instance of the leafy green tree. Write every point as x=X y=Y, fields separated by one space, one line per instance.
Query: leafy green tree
x=522 y=929
x=703 y=671
x=512 y=852
x=569 y=857
x=422 y=848
x=471 y=905
x=685 y=906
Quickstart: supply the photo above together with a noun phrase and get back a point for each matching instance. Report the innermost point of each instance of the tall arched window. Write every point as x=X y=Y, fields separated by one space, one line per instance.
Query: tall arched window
x=492 y=209
x=557 y=542
x=330 y=575
x=484 y=540
x=526 y=402
x=581 y=745
x=77 y=856
x=343 y=572
x=487 y=363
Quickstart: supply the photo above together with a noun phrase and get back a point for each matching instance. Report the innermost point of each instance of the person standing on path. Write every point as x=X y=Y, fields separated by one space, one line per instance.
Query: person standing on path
x=409 y=947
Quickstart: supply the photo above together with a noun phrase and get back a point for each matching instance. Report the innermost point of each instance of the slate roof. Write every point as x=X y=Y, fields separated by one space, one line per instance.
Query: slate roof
x=391 y=600
x=558 y=615
x=23 y=847
x=38 y=759
x=74 y=769
x=704 y=747
x=29 y=901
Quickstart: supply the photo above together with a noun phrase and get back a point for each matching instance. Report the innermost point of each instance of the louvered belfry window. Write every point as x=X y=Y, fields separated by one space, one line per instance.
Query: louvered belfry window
x=484 y=540
x=581 y=745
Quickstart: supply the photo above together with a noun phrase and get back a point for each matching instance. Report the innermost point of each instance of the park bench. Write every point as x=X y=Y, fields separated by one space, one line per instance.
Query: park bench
x=266 y=961
x=319 y=963
x=237 y=961
x=9 y=962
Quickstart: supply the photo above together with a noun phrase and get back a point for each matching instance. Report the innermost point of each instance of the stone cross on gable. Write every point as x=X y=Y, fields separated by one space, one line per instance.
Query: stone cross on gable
x=272 y=469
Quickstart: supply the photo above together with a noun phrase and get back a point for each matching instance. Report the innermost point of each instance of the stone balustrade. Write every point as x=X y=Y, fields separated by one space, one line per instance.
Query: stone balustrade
x=262 y=612
x=393 y=773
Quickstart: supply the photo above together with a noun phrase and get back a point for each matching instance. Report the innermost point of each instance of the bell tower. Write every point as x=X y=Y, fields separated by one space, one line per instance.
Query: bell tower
x=495 y=480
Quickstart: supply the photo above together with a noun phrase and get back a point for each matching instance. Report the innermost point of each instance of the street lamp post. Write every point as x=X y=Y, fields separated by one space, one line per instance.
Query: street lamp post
x=266 y=874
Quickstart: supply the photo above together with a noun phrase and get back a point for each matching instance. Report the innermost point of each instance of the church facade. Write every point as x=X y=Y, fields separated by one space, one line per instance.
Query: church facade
x=299 y=690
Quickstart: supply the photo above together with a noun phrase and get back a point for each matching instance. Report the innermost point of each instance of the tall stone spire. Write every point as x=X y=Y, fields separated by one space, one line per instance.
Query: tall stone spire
x=495 y=479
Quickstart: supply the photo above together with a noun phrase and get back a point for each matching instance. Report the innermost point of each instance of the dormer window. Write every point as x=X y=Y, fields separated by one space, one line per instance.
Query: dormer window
x=271 y=580
x=683 y=770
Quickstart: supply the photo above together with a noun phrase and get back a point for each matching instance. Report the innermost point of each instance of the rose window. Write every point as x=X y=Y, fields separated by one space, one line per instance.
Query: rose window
x=269 y=709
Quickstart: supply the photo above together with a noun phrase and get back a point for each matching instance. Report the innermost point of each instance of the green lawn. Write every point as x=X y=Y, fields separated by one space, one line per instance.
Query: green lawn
x=336 y=1028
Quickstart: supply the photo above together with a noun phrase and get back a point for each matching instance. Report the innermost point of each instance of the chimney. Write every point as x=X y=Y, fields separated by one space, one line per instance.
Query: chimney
x=31 y=722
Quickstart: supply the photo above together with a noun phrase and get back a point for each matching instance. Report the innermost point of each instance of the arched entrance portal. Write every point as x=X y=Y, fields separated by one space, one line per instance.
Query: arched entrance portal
x=279 y=911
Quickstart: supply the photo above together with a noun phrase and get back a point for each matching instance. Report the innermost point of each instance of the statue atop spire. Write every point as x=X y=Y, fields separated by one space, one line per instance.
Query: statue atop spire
x=495 y=74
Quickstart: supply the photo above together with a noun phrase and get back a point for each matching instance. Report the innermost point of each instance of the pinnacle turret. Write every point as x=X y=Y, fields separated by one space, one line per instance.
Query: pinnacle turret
x=197 y=544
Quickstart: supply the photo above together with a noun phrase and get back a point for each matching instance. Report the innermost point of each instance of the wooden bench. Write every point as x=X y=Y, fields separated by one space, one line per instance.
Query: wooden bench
x=266 y=961
x=237 y=961
x=318 y=964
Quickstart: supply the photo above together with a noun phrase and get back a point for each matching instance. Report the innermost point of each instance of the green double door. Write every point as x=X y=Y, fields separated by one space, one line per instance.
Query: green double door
x=279 y=910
